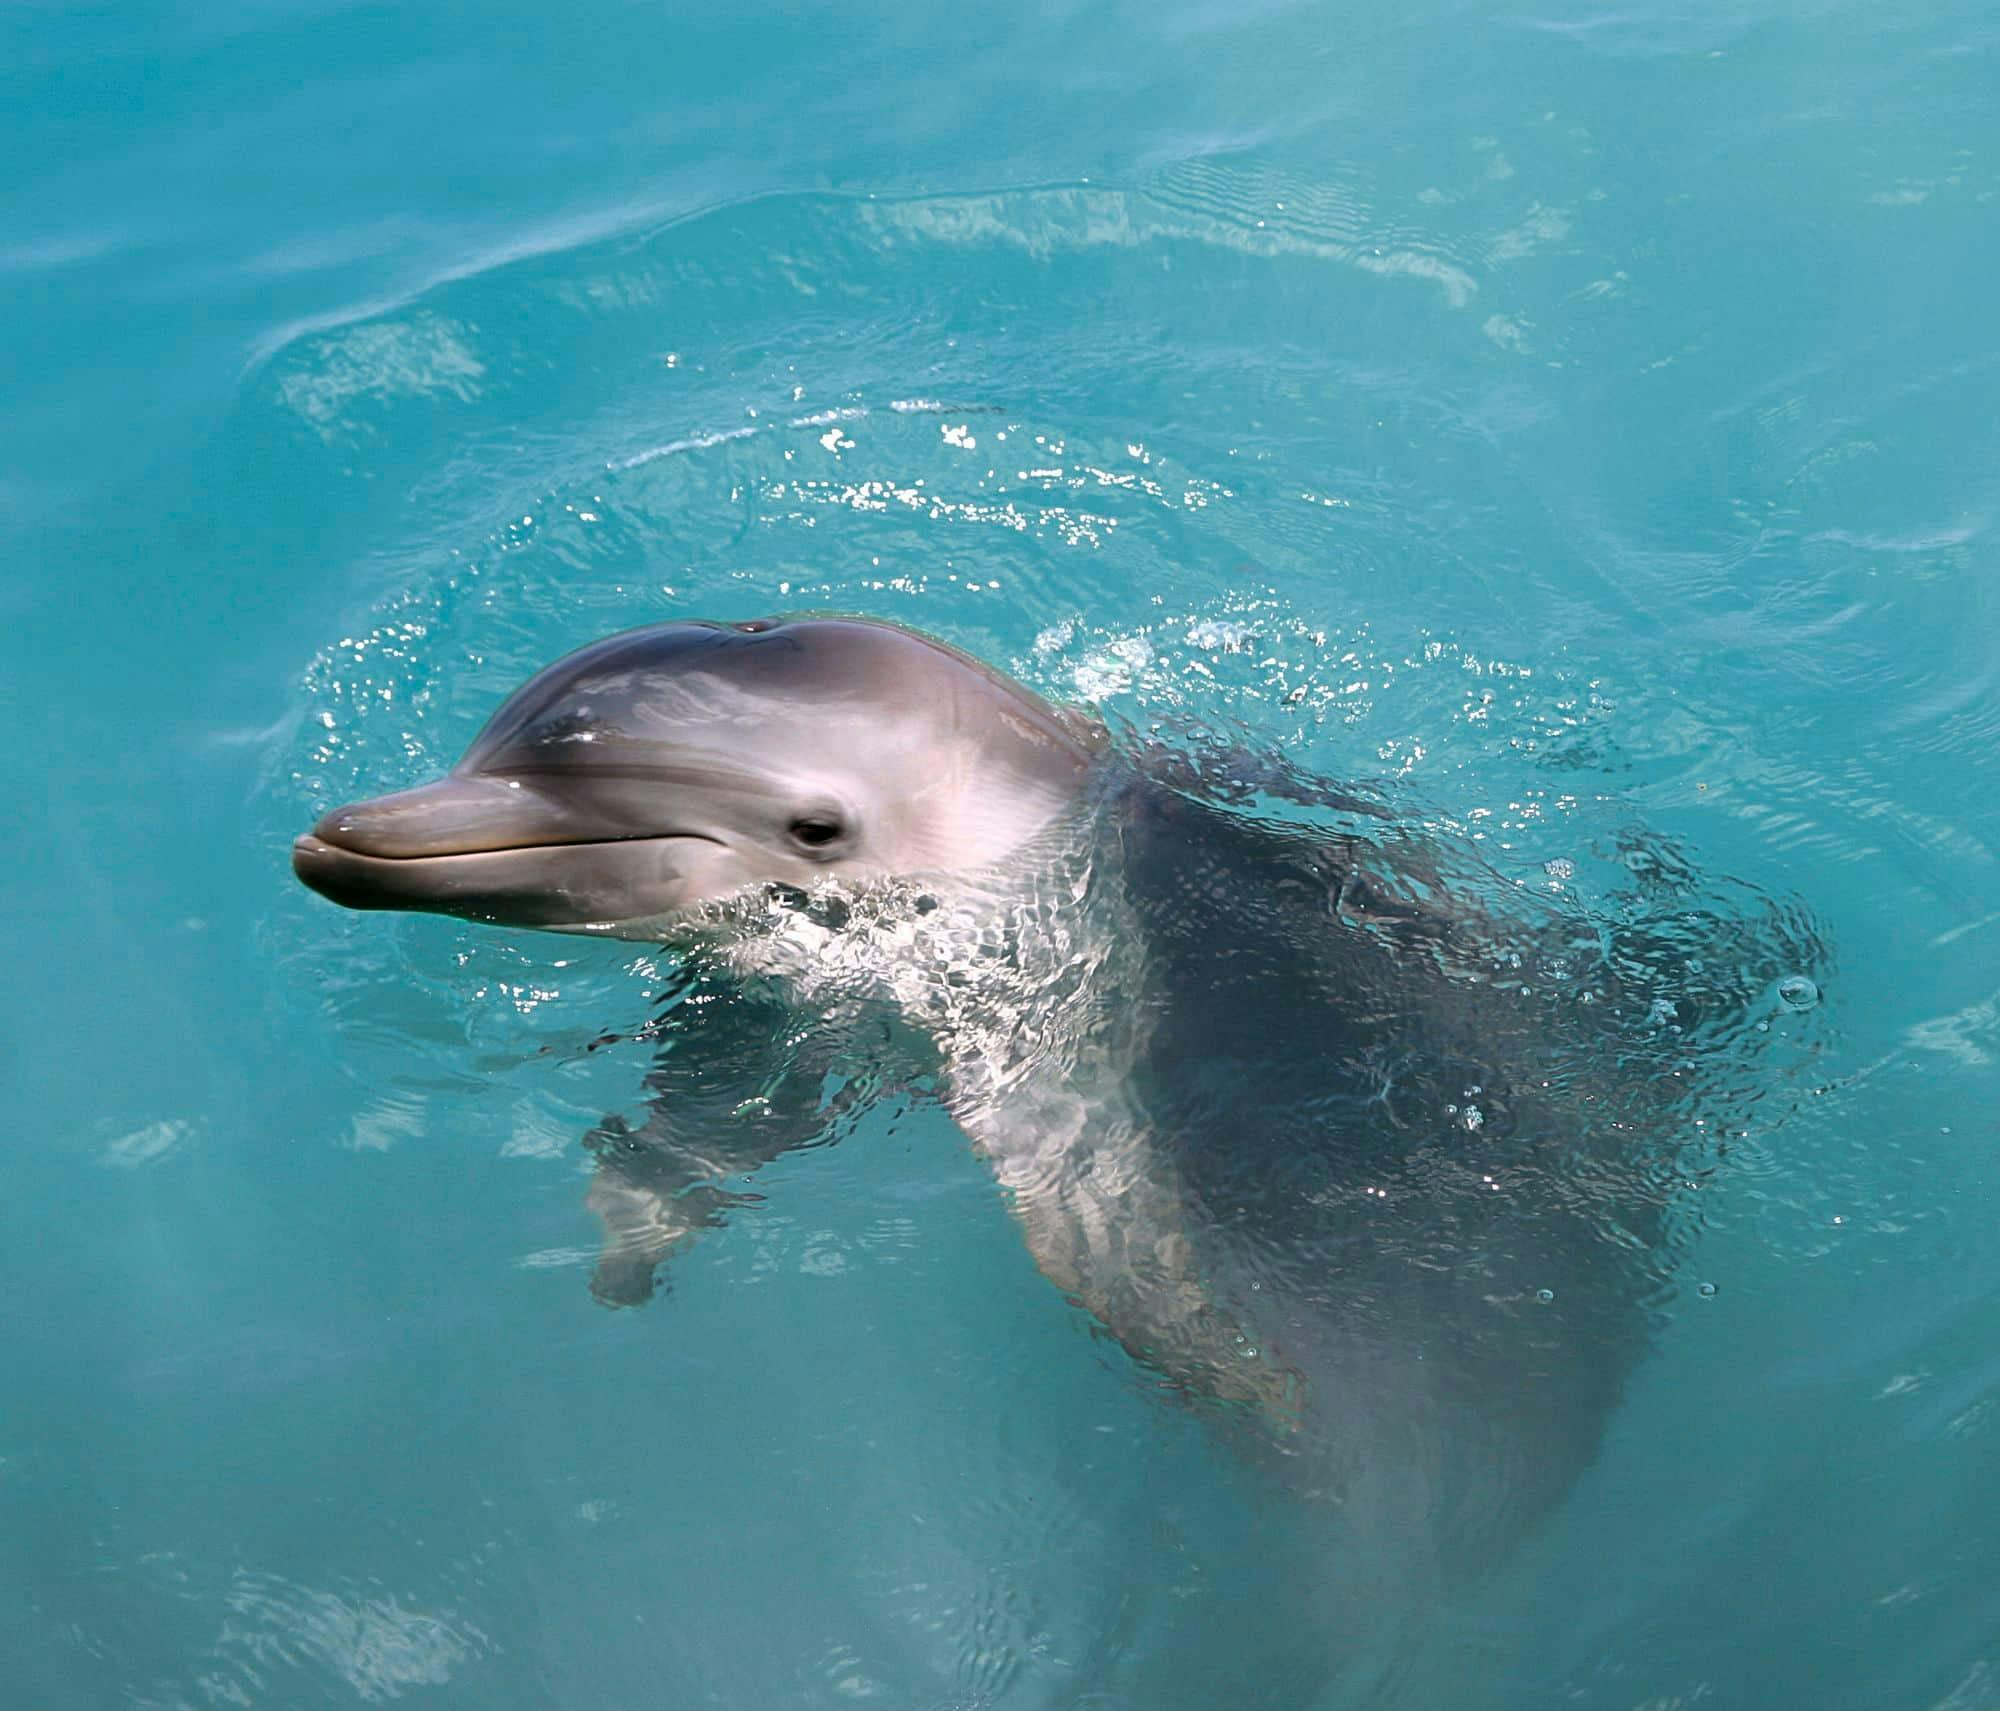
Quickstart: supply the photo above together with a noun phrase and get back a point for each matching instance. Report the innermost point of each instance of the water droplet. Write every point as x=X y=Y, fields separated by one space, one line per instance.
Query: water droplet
x=1706 y=1291
x=1545 y=1295
x=1796 y=992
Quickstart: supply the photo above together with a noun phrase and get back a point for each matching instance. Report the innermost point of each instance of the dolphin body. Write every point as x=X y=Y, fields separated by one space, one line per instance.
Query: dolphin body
x=1364 y=1168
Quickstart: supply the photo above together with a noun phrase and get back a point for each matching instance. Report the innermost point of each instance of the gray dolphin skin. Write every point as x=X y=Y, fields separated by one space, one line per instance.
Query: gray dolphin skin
x=1376 y=1174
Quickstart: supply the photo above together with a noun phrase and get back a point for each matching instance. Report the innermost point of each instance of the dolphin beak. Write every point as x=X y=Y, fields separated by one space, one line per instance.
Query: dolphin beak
x=334 y=873
x=453 y=816
x=491 y=850
x=390 y=852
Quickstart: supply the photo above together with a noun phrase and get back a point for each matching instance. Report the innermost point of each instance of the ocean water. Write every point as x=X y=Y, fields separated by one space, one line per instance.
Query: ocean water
x=1577 y=423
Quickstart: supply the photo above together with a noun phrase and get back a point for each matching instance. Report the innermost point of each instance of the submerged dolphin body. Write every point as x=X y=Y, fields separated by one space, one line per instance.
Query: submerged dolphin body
x=1334 y=1151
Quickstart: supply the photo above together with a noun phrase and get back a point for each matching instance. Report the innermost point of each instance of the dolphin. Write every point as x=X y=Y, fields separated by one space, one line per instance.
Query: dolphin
x=1365 y=1167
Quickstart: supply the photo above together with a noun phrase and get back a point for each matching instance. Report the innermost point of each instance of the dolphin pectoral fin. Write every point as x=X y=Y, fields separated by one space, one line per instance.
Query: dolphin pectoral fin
x=1207 y=1356
x=738 y=1083
x=656 y=1188
x=1127 y=1260
x=651 y=1201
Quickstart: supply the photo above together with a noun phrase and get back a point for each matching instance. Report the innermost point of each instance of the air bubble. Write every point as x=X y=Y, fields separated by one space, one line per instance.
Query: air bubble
x=1545 y=1295
x=1796 y=992
x=1706 y=1291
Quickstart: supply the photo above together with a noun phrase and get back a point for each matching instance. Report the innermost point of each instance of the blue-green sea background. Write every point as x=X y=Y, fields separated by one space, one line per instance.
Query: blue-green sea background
x=1582 y=417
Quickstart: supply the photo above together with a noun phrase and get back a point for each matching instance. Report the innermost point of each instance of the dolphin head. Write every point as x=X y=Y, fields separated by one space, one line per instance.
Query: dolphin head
x=682 y=763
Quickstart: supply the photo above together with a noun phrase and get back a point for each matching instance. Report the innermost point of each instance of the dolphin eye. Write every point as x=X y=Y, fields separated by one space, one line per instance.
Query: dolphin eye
x=817 y=832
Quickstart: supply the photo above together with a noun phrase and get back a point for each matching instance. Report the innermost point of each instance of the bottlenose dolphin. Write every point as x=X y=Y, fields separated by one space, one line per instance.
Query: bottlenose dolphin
x=1363 y=1165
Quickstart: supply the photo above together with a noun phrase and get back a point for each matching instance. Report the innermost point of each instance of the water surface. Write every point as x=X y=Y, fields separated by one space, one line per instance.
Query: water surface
x=1580 y=421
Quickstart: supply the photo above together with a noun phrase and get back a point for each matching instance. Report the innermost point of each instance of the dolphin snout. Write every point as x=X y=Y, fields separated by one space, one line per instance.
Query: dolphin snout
x=341 y=876
x=452 y=816
x=459 y=842
x=334 y=873
x=489 y=849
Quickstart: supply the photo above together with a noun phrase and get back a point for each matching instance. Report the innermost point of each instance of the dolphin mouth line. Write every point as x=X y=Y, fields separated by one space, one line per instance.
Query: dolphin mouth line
x=566 y=887
x=315 y=843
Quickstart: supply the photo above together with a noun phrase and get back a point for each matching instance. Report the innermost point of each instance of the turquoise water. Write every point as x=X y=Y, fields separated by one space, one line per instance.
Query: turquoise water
x=1578 y=420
